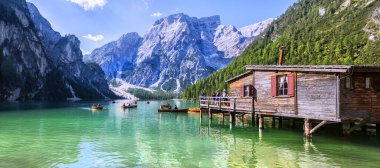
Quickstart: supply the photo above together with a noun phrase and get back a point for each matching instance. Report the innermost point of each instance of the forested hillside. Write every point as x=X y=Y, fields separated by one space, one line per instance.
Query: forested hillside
x=314 y=32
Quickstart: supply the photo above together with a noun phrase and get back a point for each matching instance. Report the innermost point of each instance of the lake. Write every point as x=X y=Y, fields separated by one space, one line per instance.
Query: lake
x=69 y=134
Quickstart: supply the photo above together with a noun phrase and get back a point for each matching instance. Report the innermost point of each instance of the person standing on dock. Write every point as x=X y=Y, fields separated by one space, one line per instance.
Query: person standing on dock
x=224 y=94
x=203 y=95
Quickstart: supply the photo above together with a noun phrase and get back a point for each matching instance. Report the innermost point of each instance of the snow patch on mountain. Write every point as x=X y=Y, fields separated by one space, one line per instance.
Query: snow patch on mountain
x=120 y=88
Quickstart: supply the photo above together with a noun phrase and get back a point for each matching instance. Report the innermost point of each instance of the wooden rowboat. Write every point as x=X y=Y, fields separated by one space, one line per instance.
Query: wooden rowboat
x=130 y=106
x=97 y=107
x=173 y=110
x=197 y=110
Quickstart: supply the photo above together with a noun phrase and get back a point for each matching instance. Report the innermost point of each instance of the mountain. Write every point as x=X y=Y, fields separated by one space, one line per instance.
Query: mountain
x=117 y=57
x=176 y=51
x=314 y=32
x=37 y=63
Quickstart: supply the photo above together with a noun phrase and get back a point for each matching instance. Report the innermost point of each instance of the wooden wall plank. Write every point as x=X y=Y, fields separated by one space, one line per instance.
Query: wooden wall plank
x=360 y=102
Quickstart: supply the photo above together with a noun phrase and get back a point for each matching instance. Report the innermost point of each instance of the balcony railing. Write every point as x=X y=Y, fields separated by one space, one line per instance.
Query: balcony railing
x=245 y=104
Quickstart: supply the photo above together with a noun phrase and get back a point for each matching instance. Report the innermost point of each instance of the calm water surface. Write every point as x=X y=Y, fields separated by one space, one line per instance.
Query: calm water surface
x=71 y=135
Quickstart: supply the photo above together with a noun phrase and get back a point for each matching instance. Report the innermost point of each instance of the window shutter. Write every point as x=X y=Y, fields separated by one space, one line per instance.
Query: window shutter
x=273 y=88
x=242 y=91
x=291 y=86
x=250 y=90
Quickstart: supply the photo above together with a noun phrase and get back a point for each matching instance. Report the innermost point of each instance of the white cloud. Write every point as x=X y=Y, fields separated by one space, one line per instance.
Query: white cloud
x=89 y=4
x=157 y=14
x=94 y=37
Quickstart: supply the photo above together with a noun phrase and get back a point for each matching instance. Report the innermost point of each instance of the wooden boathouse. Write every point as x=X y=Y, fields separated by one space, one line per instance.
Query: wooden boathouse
x=316 y=94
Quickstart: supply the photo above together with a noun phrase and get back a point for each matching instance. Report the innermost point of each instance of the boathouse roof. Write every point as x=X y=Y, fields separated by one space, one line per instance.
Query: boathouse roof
x=315 y=68
x=239 y=76
x=306 y=68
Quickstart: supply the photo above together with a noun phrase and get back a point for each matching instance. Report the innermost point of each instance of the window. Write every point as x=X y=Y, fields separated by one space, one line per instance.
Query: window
x=282 y=85
x=349 y=83
x=246 y=90
x=368 y=82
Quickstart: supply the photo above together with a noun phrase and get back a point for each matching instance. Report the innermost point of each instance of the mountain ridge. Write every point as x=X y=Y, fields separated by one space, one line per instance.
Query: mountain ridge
x=176 y=51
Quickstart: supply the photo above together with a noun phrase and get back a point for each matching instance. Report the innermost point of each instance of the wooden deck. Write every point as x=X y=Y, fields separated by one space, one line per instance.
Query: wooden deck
x=227 y=104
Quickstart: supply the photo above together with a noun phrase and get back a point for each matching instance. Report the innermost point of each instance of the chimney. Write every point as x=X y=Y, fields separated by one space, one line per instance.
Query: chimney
x=282 y=50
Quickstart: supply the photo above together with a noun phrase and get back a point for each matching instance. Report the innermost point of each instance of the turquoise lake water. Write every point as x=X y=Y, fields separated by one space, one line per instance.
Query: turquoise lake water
x=69 y=134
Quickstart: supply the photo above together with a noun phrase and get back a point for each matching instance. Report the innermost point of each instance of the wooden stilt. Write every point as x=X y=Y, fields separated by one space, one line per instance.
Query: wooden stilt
x=209 y=114
x=273 y=122
x=292 y=123
x=253 y=119
x=261 y=122
x=280 y=122
x=307 y=128
x=257 y=119
x=346 y=128
x=364 y=130
x=232 y=117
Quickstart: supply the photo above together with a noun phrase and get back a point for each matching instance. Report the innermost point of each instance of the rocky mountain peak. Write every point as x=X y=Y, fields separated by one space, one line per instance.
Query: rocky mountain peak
x=127 y=39
x=175 y=52
x=45 y=32
x=37 y=63
x=255 y=29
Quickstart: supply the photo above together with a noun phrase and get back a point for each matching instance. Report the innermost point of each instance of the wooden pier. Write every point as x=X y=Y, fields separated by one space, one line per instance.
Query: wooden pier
x=231 y=106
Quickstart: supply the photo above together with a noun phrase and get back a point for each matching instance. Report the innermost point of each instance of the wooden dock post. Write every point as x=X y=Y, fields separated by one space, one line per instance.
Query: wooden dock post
x=292 y=123
x=257 y=119
x=307 y=128
x=253 y=111
x=346 y=125
x=232 y=114
x=280 y=122
x=232 y=118
x=261 y=122
x=364 y=130
x=253 y=119
x=209 y=114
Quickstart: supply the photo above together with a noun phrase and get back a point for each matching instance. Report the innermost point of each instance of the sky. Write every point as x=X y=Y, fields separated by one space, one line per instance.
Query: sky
x=97 y=22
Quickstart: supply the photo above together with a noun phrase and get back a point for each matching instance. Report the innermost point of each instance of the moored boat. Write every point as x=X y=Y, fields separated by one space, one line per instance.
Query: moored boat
x=196 y=110
x=129 y=106
x=97 y=107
